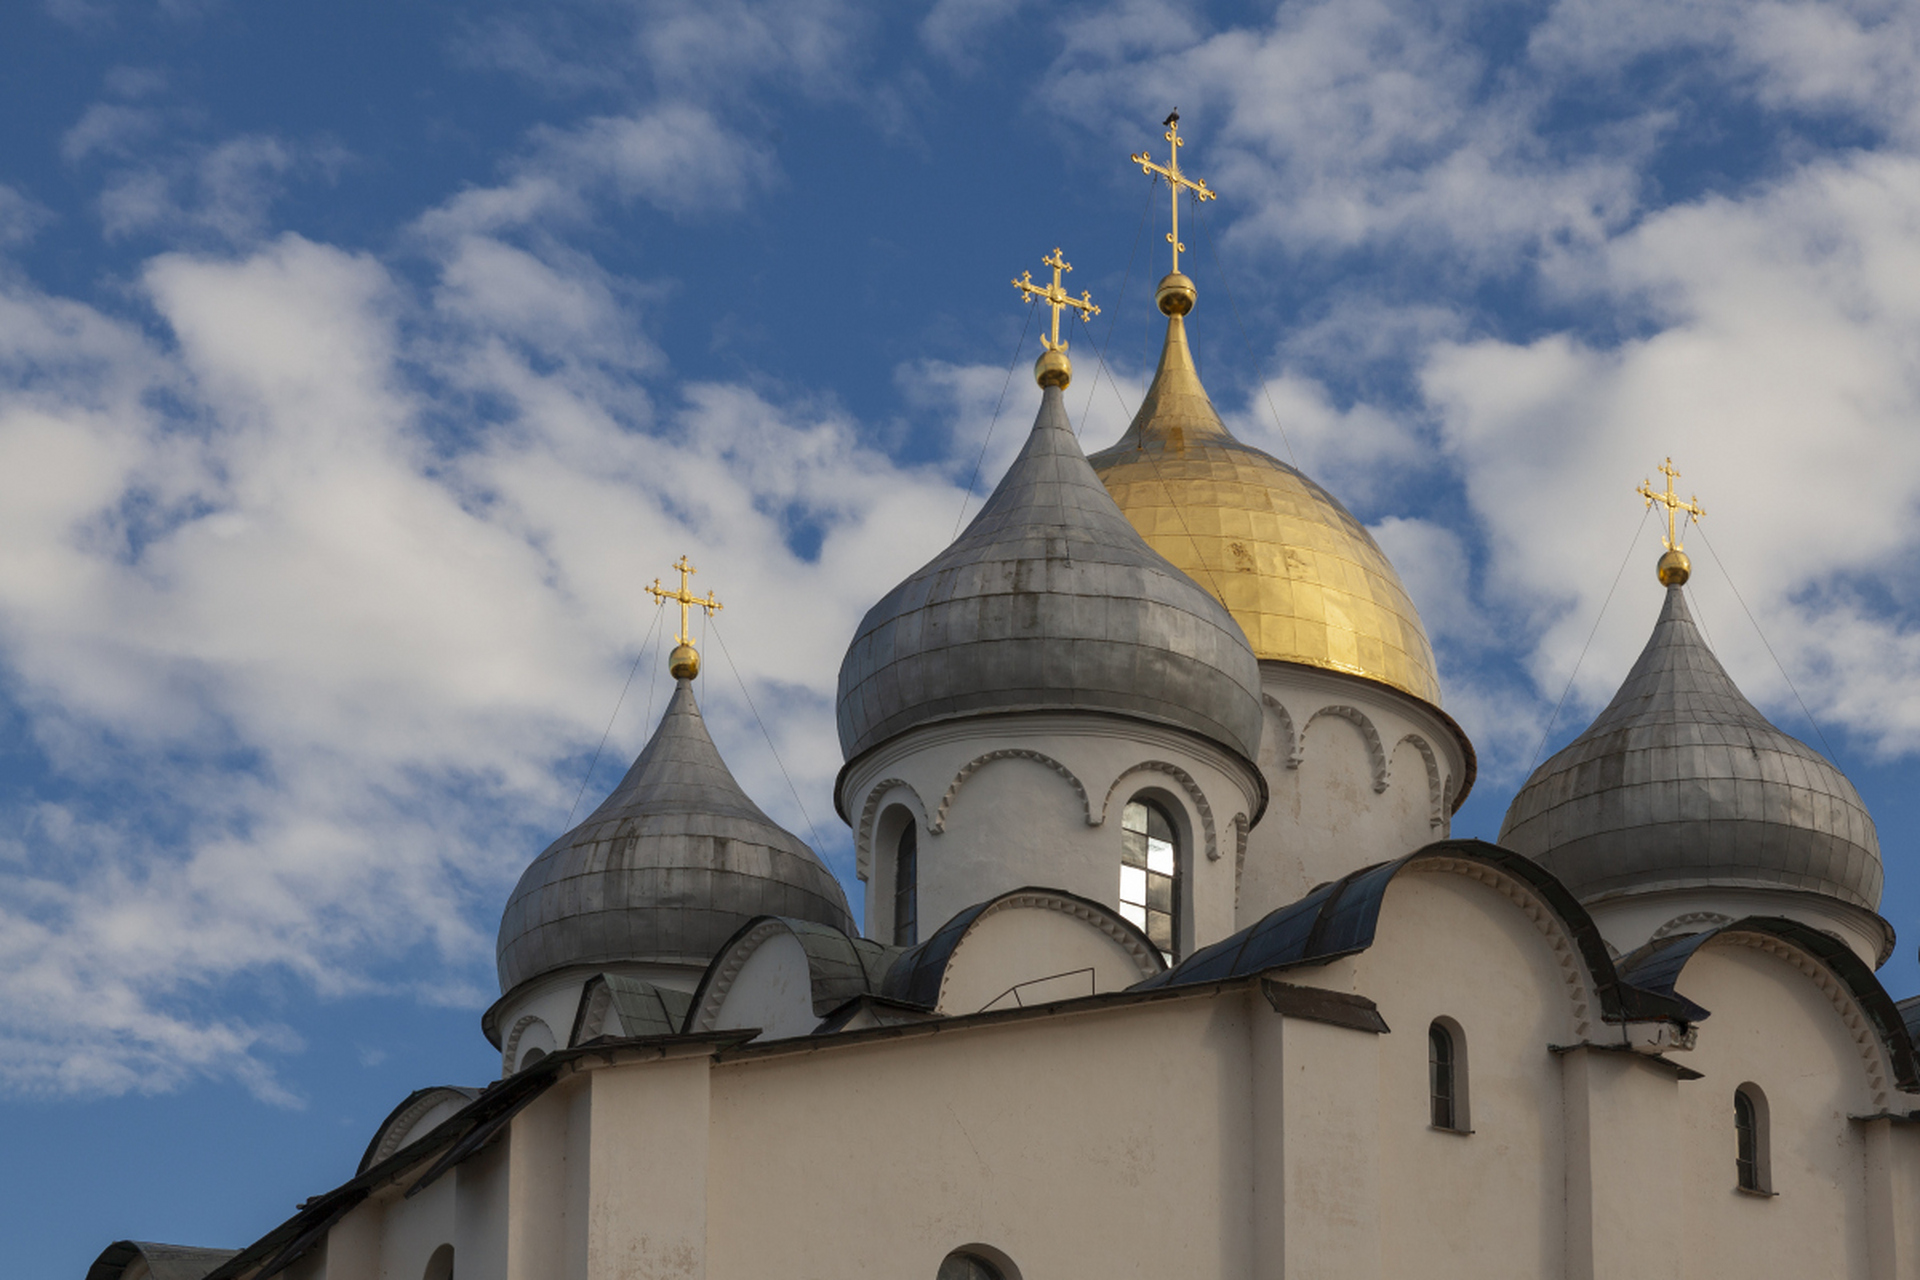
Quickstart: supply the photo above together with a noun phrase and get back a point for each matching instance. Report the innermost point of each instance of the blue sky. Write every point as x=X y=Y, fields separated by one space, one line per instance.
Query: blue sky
x=359 y=363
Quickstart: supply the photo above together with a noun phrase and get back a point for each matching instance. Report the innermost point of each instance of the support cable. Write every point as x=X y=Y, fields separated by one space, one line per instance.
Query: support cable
x=1252 y=355
x=1770 y=653
x=974 y=479
x=1114 y=323
x=735 y=667
x=1638 y=530
x=568 y=826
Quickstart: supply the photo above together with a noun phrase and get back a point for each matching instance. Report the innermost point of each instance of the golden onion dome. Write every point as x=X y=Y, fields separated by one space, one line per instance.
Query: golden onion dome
x=1302 y=577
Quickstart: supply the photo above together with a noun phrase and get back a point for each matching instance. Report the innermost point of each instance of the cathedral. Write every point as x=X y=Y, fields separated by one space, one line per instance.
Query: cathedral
x=1170 y=966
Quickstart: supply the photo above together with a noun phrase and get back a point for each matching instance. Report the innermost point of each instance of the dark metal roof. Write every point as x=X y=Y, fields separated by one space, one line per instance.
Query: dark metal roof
x=418 y=1102
x=916 y=974
x=665 y=870
x=1050 y=600
x=1681 y=781
x=1658 y=966
x=164 y=1261
x=640 y=1008
x=840 y=967
x=1339 y=919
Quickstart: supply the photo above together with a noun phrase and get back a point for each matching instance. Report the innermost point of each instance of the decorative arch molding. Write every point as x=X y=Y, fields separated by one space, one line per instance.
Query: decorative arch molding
x=510 y=1047
x=1690 y=922
x=1240 y=826
x=725 y=969
x=939 y=822
x=1376 y=753
x=1286 y=748
x=1865 y=1041
x=1145 y=958
x=1436 y=793
x=1566 y=952
x=399 y=1126
x=1187 y=784
x=863 y=833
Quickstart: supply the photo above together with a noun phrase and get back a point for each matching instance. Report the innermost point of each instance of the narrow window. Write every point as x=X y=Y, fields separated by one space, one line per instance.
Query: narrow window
x=440 y=1265
x=1150 y=873
x=1750 y=1140
x=1441 y=1081
x=960 y=1265
x=906 y=887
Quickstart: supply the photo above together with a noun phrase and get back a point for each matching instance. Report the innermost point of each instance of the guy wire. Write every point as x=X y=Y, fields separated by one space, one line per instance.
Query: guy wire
x=568 y=825
x=735 y=667
x=1638 y=530
x=1115 y=322
x=1252 y=355
x=1770 y=653
x=973 y=479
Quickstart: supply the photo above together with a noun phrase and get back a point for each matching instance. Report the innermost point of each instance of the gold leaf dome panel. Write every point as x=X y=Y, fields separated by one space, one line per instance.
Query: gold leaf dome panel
x=1302 y=577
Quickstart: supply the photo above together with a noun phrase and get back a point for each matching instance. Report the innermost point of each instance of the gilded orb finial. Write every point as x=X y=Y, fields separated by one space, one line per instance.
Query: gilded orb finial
x=684 y=661
x=1176 y=293
x=1674 y=567
x=1053 y=369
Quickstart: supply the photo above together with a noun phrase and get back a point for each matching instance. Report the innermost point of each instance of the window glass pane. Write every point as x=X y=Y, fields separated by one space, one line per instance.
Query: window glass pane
x=1133 y=848
x=1134 y=817
x=965 y=1266
x=1158 y=828
x=906 y=885
x=1160 y=929
x=1160 y=856
x=1133 y=885
x=1160 y=893
x=1440 y=1076
x=1135 y=915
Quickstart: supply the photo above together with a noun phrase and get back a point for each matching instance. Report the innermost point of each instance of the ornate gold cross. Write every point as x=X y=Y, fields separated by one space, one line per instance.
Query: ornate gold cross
x=1175 y=181
x=1674 y=504
x=687 y=600
x=1052 y=295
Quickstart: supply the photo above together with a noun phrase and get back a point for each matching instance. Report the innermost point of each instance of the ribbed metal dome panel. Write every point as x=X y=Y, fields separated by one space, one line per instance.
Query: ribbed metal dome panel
x=1681 y=782
x=1050 y=600
x=665 y=870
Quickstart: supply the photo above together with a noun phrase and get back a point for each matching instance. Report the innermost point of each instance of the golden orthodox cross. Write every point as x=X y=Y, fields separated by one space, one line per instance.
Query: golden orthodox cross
x=1175 y=181
x=686 y=599
x=1674 y=504
x=1054 y=296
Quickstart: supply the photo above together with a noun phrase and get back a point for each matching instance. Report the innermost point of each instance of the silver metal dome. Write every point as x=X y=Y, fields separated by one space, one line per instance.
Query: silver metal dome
x=1050 y=600
x=665 y=870
x=1680 y=782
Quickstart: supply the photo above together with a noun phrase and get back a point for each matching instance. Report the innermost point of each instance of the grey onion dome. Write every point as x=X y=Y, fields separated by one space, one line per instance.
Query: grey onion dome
x=665 y=870
x=1681 y=782
x=1049 y=601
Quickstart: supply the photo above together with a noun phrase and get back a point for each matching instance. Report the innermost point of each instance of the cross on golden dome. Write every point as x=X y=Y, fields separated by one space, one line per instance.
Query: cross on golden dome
x=1674 y=566
x=684 y=662
x=1053 y=362
x=1175 y=181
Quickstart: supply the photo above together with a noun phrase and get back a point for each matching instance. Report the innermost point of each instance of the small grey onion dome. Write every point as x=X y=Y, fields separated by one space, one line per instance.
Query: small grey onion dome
x=665 y=870
x=1050 y=600
x=1682 y=783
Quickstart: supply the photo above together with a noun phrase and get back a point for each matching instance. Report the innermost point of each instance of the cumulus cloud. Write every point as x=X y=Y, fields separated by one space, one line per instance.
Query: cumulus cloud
x=339 y=665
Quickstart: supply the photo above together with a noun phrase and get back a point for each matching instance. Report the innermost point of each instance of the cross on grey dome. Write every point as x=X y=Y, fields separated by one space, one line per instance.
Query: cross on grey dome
x=1050 y=600
x=665 y=870
x=1682 y=782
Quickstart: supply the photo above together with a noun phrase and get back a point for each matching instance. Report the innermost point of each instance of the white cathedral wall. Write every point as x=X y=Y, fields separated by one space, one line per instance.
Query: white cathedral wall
x=1009 y=801
x=1631 y=920
x=1107 y=1143
x=1357 y=773
x=1773 y=1026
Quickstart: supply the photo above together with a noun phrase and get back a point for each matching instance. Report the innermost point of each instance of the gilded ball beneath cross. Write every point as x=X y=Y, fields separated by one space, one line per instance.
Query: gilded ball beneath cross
x=1176 y=294
x=684 y=662
x=1053 y=369
x=1675 y=569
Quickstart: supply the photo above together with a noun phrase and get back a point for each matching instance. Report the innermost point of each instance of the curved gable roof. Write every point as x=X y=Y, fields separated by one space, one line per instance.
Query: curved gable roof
x=1339 y=919
x=1658 y=968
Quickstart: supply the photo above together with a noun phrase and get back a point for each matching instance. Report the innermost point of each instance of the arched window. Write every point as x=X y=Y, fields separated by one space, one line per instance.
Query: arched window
x=1750 y=1140
x=440 y=1265
x=1150 y=873
x=962 y=1264
x=1447 y=1076
x=906 y=887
